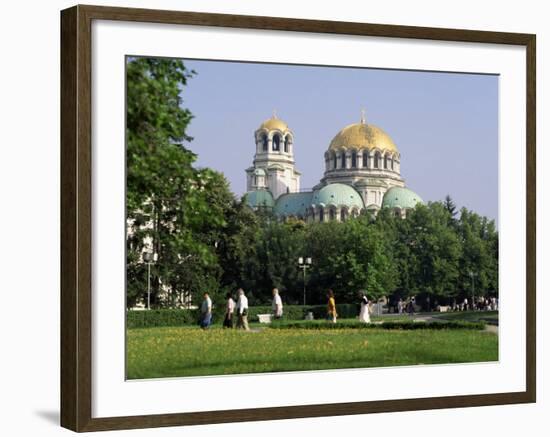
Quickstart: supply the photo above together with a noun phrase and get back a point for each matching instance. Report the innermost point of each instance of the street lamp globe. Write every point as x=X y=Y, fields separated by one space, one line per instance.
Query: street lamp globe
x=149 y=257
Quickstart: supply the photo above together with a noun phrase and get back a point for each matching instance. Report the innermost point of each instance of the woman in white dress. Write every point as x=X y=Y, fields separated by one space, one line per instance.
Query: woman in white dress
x=364 y=316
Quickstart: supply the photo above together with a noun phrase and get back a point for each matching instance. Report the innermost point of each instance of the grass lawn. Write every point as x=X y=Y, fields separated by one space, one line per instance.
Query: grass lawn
x=190 y=351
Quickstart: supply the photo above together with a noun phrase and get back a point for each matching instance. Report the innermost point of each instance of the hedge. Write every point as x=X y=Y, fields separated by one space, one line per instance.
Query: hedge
x=406 y=325
x=181 y=317
x=167 y=317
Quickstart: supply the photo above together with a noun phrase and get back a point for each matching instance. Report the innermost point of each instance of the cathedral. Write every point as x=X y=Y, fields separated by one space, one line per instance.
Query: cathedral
x=362 y=174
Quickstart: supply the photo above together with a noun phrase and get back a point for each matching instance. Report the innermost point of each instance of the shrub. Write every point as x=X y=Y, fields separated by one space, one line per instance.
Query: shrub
x=181 y=317
x=164 y=317
x=350 y=324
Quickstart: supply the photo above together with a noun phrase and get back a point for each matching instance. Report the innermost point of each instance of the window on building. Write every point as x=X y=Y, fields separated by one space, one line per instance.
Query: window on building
x=264 y=142
x=365 y=159
x=334 y=162
x=332 y=214
x=287 y=144
x=376 y=160
x=321 y=215
x=343 y=215
x=386 y=161
x=354 y=160
x=343 y=158
x=276 y=145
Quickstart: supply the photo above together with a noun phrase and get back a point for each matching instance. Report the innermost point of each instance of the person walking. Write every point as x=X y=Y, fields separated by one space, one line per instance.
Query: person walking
x=277 y=304
x=410 y=306
x=229 y=310
x=400 y=306
x=364 y=315
x=331 y=307
x=206 y=312
x=242 y=310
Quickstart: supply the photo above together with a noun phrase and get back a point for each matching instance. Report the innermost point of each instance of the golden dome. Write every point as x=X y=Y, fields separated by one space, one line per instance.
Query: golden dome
x=363 y=136
x=274 y=123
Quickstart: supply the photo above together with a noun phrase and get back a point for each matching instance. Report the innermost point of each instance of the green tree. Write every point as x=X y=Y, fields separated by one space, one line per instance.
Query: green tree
x=480 y=254
x=434 y=251
x=450 y=206
x=278 y=249
x=168 y=201
x=238 y=248
x=349 y=257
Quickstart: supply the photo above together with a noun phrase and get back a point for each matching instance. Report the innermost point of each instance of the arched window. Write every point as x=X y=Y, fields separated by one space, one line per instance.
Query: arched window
x=343 y=215
x=332 y=214
x=386 y=161
x=343 y=159
x=276 y=147
x=264 y=142
x=287 y=144
x=391 y=162
x=321 y=214
x=376 y=160
x=334 y=161
x=354 y=159
x=365 y=159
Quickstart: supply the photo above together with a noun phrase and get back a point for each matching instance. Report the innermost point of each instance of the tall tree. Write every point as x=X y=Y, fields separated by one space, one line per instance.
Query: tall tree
x=450 y=206
x=479 y=260
x=435 y=251
x=167 y=199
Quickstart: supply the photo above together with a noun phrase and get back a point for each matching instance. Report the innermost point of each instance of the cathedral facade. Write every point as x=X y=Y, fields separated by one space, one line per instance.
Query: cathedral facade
x=362 y=174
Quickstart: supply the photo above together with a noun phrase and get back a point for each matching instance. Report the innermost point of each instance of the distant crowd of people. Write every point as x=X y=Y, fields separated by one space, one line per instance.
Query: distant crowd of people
x=239 y=310
x=480 y=304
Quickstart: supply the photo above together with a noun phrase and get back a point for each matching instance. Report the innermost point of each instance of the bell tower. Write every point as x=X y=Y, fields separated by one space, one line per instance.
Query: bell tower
x=275 y=158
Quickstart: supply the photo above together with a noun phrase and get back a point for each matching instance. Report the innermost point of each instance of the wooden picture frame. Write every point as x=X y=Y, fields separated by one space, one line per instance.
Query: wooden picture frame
x=76 y=217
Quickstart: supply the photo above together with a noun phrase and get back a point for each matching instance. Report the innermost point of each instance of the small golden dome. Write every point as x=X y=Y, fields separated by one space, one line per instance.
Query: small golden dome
x=363 y=136
x=274 y=123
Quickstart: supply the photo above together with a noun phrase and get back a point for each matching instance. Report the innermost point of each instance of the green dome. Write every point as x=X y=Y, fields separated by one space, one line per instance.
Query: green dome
x=260 y=198
x=338 y=195
x=293 y=204
x=397 y=197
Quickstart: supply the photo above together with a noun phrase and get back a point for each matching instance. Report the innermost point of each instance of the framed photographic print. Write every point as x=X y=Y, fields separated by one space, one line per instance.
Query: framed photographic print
x=268 y=218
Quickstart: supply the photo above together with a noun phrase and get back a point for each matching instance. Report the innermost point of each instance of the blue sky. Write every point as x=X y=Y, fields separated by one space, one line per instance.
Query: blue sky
x=444 y=124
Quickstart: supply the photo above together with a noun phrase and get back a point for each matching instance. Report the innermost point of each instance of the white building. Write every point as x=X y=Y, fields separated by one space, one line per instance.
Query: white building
x=362 y=173
x=273 y=167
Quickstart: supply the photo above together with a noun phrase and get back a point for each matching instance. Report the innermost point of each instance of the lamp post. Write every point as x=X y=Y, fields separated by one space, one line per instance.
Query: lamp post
x=304 y=265
x=473 y=275
x=149 y=258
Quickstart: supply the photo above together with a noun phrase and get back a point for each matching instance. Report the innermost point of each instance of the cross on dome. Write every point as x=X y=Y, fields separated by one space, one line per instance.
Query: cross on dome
x=363 y=116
